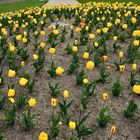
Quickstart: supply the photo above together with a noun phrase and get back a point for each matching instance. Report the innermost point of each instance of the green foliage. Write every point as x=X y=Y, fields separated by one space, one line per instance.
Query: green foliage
x=27 y=121
x=54 y=125
x=21 y=100
x=102 y=118
x=116 y=47
x=2 y=102
x=31 y=85
x=74 y=63
x=87 y=92
x=10 y=116
x=131 y=53
x=40 y=63
x=117 y=87
x=1 y=137
x=103 y=74
x=97 y=59
x=52 y=69
x=23 y=53
x=81 y=129
x=79 y=78
x=64 y=110
x=68 y=49
x=133 y=80
x=131 y=109
x=63 y=34
x=54 y=89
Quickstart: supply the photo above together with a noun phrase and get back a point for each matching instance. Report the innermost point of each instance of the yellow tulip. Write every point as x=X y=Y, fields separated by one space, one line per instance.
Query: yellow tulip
x=11 y=73
x=91 y=36
x=11 y=48
x=55 y=32
x=90 y=65
x=72 y=125
x=53 y=102
x=42 y=44
x=121 y=54
x=74 y=48
x=96 y=44
x=85 y=81
x=11 y=92
x=12 y=100
x=59 y=71
x=35 y=56
x=66 y=94
x=24 y=40
x=136 y=89
x=32 y=102
x=115 y=38
x=136 y=43
x=134 y=67
x=52 y=50
x=122 y=68
x=113 y=129
x=104 y=58
x=86 y=55
x=43 y=136
x=124 y=26
x=105 y=96
x=23 y=81
x=133 y=20
x=42 y=33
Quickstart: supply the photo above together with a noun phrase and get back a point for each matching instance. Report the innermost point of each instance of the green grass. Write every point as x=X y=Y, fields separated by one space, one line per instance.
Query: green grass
x=14 y=6
x=134 y=1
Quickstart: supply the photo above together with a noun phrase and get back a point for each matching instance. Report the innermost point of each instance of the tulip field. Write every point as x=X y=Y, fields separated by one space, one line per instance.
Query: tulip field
x=70 y=72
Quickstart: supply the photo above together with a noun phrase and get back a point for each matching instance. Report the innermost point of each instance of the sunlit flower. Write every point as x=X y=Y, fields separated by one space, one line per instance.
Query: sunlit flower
x=43 y=136
x=59 y=71
x=90 y=65
x=72 y=125
x=53 y=102
x=23 y=81
x=32 y=102
x=136 y=89
x=66 y=94
x=11 y=73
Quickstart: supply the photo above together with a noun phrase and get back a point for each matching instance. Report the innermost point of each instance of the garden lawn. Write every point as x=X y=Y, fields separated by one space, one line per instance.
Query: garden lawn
x=13 y=6
x=134 y=1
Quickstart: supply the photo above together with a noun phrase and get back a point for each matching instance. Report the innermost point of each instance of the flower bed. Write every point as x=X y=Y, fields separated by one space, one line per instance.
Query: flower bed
x=80 y=81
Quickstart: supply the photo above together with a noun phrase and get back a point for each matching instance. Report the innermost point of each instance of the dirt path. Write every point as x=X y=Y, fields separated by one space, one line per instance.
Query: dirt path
x=55 y=2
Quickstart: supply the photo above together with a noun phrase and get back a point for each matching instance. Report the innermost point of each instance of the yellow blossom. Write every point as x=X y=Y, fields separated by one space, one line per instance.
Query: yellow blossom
x=86 y=55
x=12 y=100
x=121 y=54
x=52 y=50
x=23 y=81
x=105 y=96
x=66 y=94
x=90 y=65
x=74 y=48
x=43 y=136
x=11 y=92
x=59 y=71
x=53 y=102
x=72 y=125
x=136 y=89
x=113 y=129
x=134 y=67
x=136 y=43
x=85 y=81
x=35 y=56
x=11 y=73
x=32 y=102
